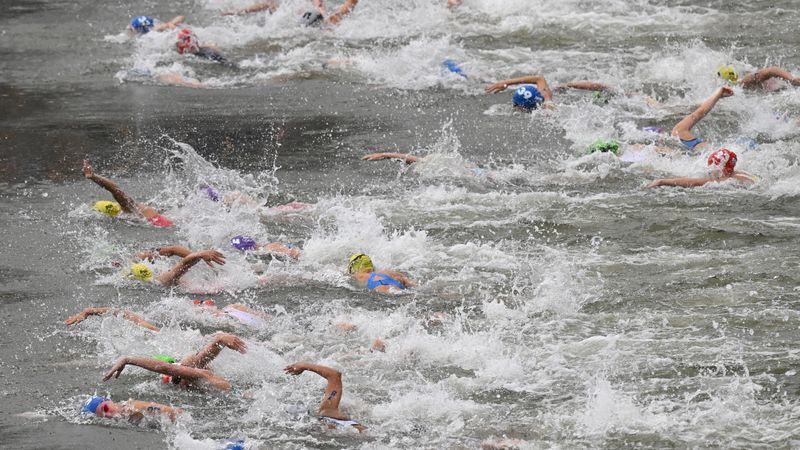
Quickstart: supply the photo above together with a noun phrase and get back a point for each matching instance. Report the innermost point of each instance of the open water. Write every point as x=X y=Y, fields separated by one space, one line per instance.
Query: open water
x=559 y=303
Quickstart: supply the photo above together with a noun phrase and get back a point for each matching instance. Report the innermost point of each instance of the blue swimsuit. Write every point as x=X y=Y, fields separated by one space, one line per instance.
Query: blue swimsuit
x=692 y=144
x=381 y=279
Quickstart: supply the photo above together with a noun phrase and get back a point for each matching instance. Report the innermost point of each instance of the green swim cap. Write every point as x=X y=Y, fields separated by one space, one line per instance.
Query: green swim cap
x=599 y=97
x=360 y=263
x=165 y=358
x=602 y=145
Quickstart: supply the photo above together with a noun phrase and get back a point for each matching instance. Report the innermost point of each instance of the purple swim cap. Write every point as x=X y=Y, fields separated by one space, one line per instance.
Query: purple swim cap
x=211 y=193
x=243 y=243
x=91 y=405
x=657 y=130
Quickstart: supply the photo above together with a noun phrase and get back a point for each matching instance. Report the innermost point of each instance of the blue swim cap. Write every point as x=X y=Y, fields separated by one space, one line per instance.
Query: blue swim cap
x=527 y=97
x=142 y=24
x=91 y=405
x=453 y=67
x=235 y=445
x=211 y=193
x=243 y=243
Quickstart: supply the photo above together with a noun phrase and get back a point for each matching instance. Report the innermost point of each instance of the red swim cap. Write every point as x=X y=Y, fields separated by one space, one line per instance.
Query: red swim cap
x=187 y=42
x=723 y=159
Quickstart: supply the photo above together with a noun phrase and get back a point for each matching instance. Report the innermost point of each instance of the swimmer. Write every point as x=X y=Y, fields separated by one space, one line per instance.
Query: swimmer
x=683 y=130
x=274 y=249
x=329 y=412
x=240 y=198
x=385 y=282
x=191 y=371
x=144 y=24
x=142 y=272
x=760 y=79
x=310 y=18
x=535 y=92
x=132 y=410
x=124 y=202
x=187 y=43
x=238 y=311
x=722 y=165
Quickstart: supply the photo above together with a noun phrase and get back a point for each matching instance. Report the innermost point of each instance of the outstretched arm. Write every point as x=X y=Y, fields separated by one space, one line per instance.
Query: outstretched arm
x=201 y=359
x=270 y=6
x=683 y=129
x=538 y=80
x=98 y=311
x=125 y=201
x=409 y=159
x=343 y=10
x=169 y=25
x=584 y=85
x=680 y=182
x=754 y=79
x=333 y=391
x=173 y=275
x=154 y=365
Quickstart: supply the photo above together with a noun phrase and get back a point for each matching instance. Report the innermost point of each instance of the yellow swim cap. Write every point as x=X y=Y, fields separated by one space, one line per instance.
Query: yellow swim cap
x=728 y=74
x=141 y=272
x=360 y=263
x=108 y=208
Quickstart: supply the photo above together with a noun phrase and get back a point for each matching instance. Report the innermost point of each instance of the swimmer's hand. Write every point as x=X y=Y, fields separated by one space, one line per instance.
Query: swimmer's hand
x=295 y=369
x=725 y=91
x=81 y=316
x=211 y=256
x=88 y=172
x=117 y=369
x=496 y=87
x=230 y=341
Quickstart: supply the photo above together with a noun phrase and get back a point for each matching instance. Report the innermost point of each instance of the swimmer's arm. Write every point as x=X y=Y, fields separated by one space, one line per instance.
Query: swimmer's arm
x=271 y=6
x=152 y=408
x=320 y=6
x=680 y=182
x=401 y=277
x=180 y=80
x=125 y=201
x=744 y=177
x=169 y=25
x=409 y=159
x=754 y=79
x=683 y=129
x=175 y=250
x=344 y=10
x=98 y=311
x=173 y=275
x=538 y=80
x=220 y=340
x=333 y=391
x=584 y=85
x=154 y=365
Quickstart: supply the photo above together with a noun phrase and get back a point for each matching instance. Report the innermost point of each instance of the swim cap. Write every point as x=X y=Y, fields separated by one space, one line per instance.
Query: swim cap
x=599 y=97
x=91 y=405
x=312 y=19
x=141 y=272
x=187 y=42
x=453 y=67
x=359 y=263
x=211 y=193
x=657 y=130
x=527 y=97
x=111 y=209
x=142 y=24
x=235 y=445
x=602 y=145
x=206 y=302
x=243 y=243
x=724 y=160
x=727 y=73
x=165 y=358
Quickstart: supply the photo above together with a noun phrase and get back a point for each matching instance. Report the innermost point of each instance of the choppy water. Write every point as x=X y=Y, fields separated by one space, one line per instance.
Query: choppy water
x=559 y=303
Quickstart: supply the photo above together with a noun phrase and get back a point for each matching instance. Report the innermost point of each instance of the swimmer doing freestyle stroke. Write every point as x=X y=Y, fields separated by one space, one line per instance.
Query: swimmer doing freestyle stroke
x=363 y=272
x=328 y=412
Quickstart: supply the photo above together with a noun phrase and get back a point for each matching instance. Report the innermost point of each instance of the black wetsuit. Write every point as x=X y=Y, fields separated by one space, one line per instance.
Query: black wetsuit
x=213 y=55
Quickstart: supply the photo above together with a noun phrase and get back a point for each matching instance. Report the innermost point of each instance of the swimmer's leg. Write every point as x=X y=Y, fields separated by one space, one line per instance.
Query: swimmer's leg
x=125 y=201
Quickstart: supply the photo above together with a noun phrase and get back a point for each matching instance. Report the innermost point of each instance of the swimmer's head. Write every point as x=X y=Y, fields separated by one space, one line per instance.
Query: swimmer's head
x=141 y=272
x=187 y=42
x=601 y=145
x=210 y=192
x=142 y=24
x=655 y=130
x=165 y=358
x=453 y=67
x=111 y=209
x=91 y=405
x=527 y=97
x=243 y=243
x=723 y=160
x=728 y=74
x=360 y=263
x=206 y=302
x=312 y=19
